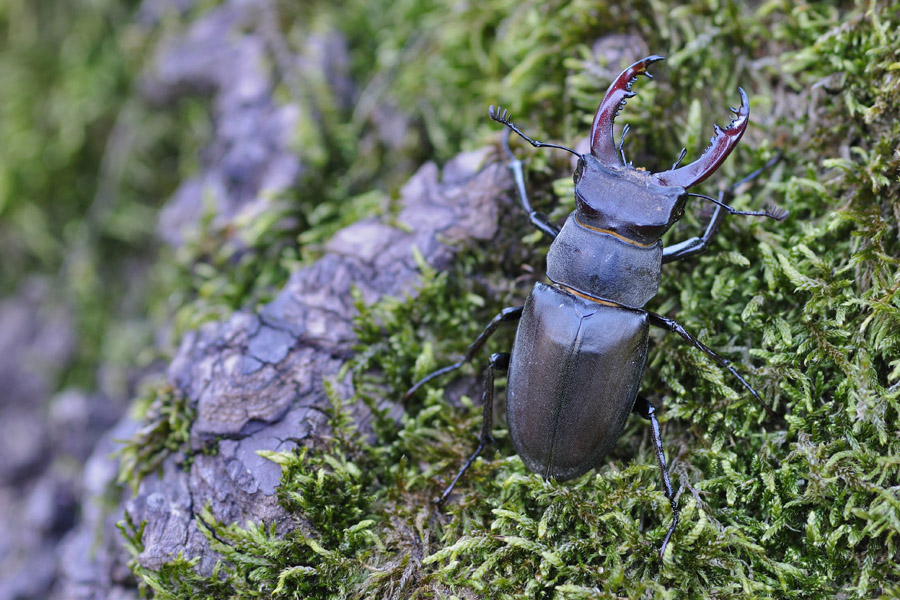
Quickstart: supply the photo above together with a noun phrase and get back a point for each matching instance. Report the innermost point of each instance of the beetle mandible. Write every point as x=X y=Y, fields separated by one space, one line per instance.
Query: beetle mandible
x=579 y=353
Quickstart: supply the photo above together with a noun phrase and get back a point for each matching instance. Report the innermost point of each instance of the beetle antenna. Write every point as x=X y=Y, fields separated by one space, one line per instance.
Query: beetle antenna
x=501 y=115
x=772 y=211
x=622 y=143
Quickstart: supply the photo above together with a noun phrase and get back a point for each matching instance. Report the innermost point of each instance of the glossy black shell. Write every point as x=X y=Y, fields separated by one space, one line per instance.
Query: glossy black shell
x=581 y=346
x=626 y=201
x=575 y=370
x=604 y=266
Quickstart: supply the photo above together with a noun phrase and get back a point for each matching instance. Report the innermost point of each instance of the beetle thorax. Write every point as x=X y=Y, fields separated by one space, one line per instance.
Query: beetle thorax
x=625 y=202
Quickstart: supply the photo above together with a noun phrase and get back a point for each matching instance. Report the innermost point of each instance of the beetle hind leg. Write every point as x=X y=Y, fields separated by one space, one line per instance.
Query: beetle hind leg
x=646 y=410
x=498 y=361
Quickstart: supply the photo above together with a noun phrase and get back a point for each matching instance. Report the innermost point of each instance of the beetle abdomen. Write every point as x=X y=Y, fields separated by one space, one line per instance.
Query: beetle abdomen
x=603 y=265
x=574 y=373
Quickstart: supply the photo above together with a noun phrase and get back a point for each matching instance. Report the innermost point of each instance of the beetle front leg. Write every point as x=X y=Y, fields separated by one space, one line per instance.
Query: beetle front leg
x=538 y=219
x=698 y=245
x=645 y=409
x=695 y=245
x=675 y=327
x=513 y=313
x=498 y=361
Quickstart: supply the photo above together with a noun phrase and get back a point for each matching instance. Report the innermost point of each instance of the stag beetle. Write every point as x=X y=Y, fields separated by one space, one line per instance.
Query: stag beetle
x=579 y=353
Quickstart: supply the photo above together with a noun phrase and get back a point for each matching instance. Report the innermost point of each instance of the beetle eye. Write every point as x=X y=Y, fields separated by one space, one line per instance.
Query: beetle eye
x=579 y=170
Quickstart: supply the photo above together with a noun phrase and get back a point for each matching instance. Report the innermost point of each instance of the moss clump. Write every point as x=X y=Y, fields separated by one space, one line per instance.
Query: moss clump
x=166 y=417
x=805 y=506
x=332 y=491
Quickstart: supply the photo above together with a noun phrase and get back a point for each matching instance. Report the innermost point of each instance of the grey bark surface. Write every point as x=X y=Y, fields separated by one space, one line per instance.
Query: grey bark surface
x=255 y=379
x=227 y=54
x=44 y=438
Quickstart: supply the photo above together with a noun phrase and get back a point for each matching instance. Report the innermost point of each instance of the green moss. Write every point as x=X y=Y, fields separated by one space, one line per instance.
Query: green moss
x=166 y=418
x=802 y=506
x=399 y=338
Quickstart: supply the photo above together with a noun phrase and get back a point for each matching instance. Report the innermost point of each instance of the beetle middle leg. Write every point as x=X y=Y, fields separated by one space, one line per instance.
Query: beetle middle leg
x=646 y=410
x=498 y=361
x=507 y=315
x=675 y=327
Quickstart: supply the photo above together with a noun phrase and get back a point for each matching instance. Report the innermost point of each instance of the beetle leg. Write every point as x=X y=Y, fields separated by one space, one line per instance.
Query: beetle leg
x=645 y=409
x=538 y=219
x=498 y=361
x=695 y=245
x=675 y=327
x=512 y=313
x=698 y=245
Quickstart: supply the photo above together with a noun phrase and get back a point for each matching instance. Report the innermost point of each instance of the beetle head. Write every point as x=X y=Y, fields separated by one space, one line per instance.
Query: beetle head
x=602 y=179
x=625 y=202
